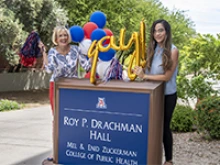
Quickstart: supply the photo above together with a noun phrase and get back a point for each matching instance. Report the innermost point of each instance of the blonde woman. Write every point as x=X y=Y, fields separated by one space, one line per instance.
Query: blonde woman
x=62 y=61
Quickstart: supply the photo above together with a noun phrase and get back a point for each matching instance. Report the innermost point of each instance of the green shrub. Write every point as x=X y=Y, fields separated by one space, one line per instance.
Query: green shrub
x=11 y=36
x=6 y=105
x=182 y=120
x=18 y=18
x=208 y=117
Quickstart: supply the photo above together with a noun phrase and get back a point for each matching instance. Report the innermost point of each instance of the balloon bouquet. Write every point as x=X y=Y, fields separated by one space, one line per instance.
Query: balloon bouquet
x=98 y=43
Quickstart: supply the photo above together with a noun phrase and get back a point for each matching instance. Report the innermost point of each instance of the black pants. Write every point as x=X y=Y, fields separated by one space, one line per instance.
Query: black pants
x=169 y=106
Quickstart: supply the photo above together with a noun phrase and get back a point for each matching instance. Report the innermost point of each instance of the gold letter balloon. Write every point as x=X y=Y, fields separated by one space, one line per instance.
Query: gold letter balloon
x=138 y=56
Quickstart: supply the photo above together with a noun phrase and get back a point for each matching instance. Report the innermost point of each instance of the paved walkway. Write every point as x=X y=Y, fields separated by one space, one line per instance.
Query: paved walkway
x=25 y=136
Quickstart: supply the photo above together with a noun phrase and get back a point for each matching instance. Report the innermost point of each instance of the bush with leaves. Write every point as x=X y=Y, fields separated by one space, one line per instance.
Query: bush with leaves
x=199 y=63
x=182 y=120
x=208 y=117
x=128 y=14
x=19 y=18
x=11 y=36
x=6 y=105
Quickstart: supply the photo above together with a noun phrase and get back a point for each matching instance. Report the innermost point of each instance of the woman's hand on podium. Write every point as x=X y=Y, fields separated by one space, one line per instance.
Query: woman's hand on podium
x=138 y=70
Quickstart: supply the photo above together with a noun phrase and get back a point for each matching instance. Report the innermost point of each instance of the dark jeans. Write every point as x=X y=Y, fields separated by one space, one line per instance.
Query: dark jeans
x=169 y=106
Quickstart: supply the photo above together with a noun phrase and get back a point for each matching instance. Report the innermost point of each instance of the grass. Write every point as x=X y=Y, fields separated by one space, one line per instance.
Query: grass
x=7 y=105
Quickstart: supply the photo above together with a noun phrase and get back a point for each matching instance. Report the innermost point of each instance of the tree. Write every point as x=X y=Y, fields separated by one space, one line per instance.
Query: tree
x=128 y=14
x=39 y=15
x=20 y=17
x=120 y=13
x=11 y=36
x=182 y=27
x=200 y=59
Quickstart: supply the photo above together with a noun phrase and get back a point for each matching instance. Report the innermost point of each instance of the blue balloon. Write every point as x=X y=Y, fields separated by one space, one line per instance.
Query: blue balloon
x=107 y=56
x=97 y=34
x=98 y=18
x=77 y=33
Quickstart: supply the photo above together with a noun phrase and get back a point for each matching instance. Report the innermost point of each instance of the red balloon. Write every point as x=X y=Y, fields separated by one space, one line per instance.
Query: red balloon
x=88 y=28
x=108 y=33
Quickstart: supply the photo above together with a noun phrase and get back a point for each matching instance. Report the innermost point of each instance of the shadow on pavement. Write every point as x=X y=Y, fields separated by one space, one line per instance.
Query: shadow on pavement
x=36 y=160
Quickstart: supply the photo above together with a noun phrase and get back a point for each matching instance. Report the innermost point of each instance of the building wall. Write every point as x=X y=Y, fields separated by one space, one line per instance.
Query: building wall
x=24 y=81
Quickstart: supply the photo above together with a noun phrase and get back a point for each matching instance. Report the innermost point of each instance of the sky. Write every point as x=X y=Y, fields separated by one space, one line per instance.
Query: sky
x=204 y=13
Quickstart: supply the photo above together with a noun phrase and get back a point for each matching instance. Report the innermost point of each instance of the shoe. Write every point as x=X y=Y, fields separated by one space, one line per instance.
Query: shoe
x=48 y=161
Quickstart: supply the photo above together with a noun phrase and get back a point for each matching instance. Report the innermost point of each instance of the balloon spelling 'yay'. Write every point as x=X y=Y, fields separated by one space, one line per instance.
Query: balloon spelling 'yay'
x=139 y=53
x=143 y=43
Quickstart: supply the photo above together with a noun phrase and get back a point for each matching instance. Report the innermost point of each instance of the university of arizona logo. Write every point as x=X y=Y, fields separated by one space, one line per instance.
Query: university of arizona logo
x=101 y=103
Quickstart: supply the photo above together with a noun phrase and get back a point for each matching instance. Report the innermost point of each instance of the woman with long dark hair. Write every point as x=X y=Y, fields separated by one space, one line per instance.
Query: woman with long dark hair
x=162 y=65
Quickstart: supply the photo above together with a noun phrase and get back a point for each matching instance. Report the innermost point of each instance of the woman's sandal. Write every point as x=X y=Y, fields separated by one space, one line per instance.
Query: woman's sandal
x=48 y=161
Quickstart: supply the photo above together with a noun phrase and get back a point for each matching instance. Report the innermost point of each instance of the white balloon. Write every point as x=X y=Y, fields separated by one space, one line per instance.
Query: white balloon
x=125 y=76
x=84 y=46
x=102 y=67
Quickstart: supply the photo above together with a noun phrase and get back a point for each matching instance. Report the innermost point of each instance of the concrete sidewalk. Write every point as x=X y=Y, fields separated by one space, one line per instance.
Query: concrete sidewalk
x=25 y=136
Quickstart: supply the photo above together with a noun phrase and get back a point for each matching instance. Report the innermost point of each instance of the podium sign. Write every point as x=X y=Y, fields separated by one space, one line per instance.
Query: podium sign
x=114 y=123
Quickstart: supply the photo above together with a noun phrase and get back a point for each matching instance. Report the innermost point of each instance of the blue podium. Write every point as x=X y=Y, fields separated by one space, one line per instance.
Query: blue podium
x=117 y=123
